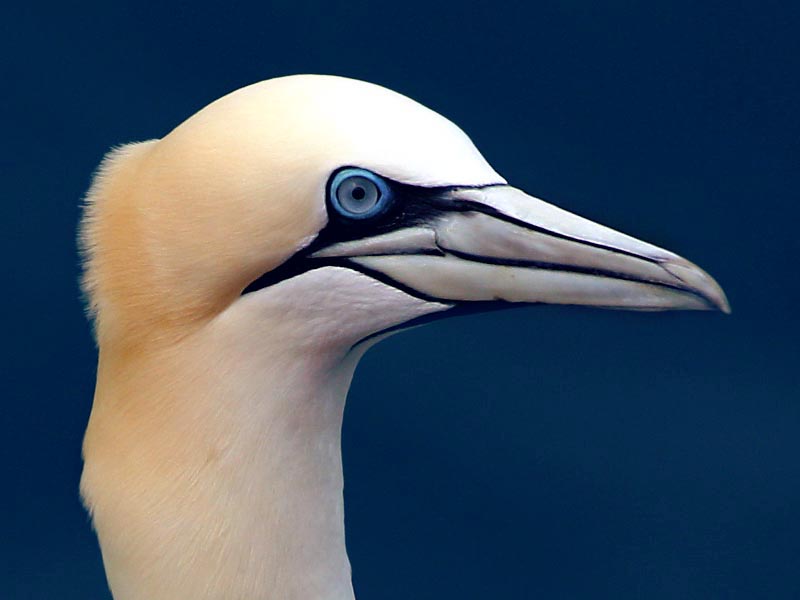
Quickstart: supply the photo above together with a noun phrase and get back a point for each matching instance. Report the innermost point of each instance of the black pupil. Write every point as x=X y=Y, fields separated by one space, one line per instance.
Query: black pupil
x=358 y=193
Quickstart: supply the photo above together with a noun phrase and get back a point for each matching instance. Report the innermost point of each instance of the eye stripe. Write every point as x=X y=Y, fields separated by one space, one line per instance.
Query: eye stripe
x=410 y=205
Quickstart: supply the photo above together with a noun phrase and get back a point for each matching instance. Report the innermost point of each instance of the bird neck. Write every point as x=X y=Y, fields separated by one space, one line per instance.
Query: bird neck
x=213 y=469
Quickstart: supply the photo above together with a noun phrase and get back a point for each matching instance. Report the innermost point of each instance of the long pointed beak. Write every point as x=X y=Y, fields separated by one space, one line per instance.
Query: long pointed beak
x=499 y=244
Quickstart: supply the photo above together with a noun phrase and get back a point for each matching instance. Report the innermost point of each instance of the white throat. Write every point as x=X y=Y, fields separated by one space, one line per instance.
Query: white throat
x=214 y=470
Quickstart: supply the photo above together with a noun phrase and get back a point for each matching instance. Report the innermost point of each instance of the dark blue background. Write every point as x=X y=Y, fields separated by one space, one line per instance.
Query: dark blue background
x=543 y=452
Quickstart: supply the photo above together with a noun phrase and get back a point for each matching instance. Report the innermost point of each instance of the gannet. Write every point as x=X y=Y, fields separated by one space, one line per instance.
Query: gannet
x=238 y=268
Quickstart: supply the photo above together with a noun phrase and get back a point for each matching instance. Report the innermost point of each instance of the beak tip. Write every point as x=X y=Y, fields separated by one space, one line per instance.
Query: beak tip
x=714 y=294
x=720 y=302
x=700 y=283
x=724 y=305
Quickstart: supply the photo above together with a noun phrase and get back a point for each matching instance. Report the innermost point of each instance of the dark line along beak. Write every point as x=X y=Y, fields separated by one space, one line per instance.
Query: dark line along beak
x=499 y=244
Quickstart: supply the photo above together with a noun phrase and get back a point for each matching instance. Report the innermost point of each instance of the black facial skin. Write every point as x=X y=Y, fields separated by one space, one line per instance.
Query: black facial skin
x=411 y=205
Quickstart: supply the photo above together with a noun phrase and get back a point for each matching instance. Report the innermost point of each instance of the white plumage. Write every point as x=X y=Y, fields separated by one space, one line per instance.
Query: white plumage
x=232 y=302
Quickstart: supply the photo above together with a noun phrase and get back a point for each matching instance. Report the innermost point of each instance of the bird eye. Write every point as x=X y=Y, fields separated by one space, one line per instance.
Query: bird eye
x=359 y=194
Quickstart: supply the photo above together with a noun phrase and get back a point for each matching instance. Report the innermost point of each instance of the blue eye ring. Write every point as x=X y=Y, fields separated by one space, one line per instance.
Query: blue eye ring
x=359 y=194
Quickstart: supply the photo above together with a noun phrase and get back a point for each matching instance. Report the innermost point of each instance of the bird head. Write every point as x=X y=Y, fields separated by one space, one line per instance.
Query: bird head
x=353 y=209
